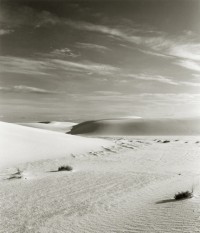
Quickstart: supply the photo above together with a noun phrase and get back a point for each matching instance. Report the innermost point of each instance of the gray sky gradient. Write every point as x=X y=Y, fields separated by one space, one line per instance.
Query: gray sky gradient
x=80 y=60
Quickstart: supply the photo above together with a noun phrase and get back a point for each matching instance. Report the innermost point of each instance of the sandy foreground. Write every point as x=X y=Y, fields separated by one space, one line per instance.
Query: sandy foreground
x=126 y=185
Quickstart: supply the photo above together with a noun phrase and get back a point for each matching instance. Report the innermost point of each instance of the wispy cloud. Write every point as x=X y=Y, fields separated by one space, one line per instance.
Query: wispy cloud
x=191 y=65
x=189 y=51
x=154 y=44
x=64 y=52
x=108 y=93
x=5 y=31
x=50 y=67
x=99 y=48
x=151 y=42
x=45 y=18
x=89 y=67
x=26 y=89
x=153 y=53
x=193 y=84
x=152 y=99
x=22 y=65
x=15 y=17
x=157 y=78
x=197 y=76
x=183 y=50
x=117 y=33
x=46 y=66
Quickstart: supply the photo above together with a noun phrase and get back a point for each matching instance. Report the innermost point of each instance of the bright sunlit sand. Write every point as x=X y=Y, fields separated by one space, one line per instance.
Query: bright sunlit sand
x=115 y=184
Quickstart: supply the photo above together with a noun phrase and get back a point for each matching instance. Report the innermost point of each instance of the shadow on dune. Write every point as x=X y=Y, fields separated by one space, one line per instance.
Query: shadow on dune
x=166 y=201
x=171 y=200
x=141 y=126
x=86 y=128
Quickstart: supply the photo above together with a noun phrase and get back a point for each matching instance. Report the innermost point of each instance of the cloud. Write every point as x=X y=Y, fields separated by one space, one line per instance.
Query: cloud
x=184 y=51
x=197 y=76
x=117 y=33
x=187 y=55
x=5 y=31
x=64 y=52
x=108 y=93
x=187 y=51
x=26 y=89
x=193 y=84
x=18 y=16
x=99 y=48
x=191 y=65
x=22 y=65
x=152 y=42
x=160 y=43
x=86 y=67
x=148 y=52
x=171 y=98
x=156 y=43
x=49 y=67
x=157 y=78
x=148 y=99
x=46 y=66
x=44 y=18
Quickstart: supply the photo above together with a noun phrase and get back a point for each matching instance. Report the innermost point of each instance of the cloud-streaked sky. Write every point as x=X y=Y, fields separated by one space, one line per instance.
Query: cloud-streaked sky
x=78 y=60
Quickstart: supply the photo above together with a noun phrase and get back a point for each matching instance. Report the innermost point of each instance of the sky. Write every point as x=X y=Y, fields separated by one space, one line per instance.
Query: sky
x=83 y=60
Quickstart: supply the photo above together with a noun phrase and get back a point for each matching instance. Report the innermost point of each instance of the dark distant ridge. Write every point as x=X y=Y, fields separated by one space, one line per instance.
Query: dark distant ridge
x=45 y=122
x=139 y=126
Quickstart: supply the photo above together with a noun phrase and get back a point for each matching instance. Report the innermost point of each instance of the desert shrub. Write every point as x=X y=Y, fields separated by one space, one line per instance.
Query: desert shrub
x=183 y=195
x=65 y=168
x=16 y=175
x=44 y=122
x=166 y=141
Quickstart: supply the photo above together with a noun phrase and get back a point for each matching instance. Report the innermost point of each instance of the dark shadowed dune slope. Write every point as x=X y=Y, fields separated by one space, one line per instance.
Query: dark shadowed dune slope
x=140 y=126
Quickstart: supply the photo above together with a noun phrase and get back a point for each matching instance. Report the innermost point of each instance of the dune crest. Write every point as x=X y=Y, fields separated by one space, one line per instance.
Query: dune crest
x=51 y=125
x=20 y=144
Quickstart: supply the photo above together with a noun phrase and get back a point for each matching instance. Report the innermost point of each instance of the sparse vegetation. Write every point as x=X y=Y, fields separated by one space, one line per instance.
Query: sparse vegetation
x=183 y=195
x=65 y=168
x=16 y=175
x=44 y=122
x=166 y=141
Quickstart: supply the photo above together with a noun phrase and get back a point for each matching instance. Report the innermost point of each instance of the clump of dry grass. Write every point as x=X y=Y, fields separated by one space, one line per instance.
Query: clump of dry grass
x=183 y=195
x=16 y=175
x=166 y=141
x=65 y=168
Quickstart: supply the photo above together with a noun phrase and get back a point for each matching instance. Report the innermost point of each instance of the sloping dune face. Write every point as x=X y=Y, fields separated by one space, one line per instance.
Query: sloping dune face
x=20 y=144
x=164 y=126
x=51 y=125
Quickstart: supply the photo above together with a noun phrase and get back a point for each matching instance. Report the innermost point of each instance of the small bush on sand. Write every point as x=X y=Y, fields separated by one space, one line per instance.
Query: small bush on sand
x=166 y=141
x=16 y=175
x=183 y=195
x=65 y=168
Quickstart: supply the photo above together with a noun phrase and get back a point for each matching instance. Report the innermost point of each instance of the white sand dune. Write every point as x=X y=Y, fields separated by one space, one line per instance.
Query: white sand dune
x=20 y=144
x=139 y=126
x=128 y=189
x=52 y=125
